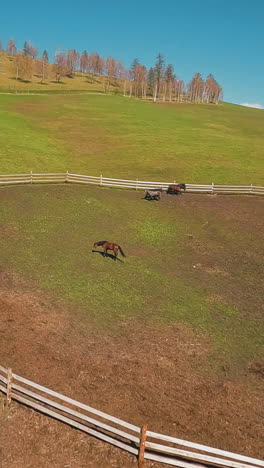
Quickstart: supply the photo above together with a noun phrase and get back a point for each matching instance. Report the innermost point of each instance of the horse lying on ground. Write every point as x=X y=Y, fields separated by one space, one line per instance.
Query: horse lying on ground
x=176 y=189
x=152 y=194
x=109 y=246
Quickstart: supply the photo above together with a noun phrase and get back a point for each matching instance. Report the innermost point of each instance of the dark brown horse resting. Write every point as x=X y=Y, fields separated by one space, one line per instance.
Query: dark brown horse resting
x=109 y=246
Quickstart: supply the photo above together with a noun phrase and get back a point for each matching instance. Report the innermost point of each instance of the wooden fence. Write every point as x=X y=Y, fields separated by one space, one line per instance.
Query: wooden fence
x=14 y=179
x=144 y=444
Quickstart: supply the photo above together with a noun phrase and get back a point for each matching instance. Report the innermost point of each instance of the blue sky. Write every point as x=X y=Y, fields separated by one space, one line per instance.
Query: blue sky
x=225 y=38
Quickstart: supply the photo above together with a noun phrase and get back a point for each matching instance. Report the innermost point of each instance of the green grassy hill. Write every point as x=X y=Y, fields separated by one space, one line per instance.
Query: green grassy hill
x=128 y=138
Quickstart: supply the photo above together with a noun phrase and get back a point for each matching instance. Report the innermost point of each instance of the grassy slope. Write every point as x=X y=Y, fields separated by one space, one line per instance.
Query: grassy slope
x=55 y=227
x=126 y=138
x=47 y=234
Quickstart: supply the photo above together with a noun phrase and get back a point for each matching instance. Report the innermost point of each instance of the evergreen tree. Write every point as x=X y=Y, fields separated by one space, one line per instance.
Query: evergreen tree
x=26 y=49
x=45 y=57
x=169 y=80
x=133 y=68
x=151 y=77
x=169 y=73
x=84 y=61
x=159 y=70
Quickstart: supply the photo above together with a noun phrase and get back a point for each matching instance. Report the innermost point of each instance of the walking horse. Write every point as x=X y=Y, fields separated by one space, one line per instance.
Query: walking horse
x=109 y=246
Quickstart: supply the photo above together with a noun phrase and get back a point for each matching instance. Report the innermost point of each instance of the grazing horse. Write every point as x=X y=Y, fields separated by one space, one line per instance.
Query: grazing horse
x=109 y=246
x=152 y=194
x=176 y=189
x=182 y=186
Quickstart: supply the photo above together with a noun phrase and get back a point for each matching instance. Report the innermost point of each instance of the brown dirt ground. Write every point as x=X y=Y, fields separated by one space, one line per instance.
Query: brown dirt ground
x=140 y=373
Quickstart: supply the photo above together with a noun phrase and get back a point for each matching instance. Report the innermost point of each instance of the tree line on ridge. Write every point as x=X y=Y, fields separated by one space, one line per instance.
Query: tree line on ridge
x=159 y=82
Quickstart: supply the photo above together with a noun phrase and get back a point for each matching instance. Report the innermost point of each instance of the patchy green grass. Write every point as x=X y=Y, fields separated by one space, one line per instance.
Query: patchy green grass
x=193 y=259
x=124 y=138
x=47 y=233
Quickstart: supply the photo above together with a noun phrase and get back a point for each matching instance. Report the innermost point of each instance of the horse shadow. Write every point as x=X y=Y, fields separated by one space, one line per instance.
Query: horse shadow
x=150 y=199
x=113 y=257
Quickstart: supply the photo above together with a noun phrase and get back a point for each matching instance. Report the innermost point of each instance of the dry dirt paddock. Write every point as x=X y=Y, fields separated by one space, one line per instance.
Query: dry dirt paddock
x=141 y=373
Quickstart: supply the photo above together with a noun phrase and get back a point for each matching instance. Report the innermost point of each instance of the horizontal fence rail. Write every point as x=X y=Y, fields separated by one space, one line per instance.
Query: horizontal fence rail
x=62 y=177
x=144 y=444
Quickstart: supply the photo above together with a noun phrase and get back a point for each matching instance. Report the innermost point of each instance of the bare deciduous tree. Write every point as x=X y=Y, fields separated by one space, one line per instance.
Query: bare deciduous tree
x=178 y=90
x=140 y=81
x=96 y=63
x=212 y=91
x=195 y=89
x=120 y=69
x=42 y=67
x=24 y=66
x=84 y=61
x=73 y=60
x=11 y=47
x=60 y=66
x=110 y=67
x=33 y=52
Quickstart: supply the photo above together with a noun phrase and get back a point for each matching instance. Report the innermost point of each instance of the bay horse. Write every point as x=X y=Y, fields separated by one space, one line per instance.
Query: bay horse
x=109 y=246
x=176 y=189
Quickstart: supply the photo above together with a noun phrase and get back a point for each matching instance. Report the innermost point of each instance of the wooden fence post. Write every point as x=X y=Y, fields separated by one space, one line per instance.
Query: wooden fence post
x=67 y=174
x=31 y=178
x=142 y=446
x=101 y=179
x=9 y=387
x=136 y=184
x=251 y=188
x=212 y=187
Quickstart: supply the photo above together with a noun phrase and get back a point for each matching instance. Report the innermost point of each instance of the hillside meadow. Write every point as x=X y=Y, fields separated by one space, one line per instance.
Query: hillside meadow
x=172 y=334
x=127 y=138
x=123 y=138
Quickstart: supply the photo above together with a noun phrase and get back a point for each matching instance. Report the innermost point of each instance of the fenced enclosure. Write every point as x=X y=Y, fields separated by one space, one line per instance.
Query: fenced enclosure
x=67 y=177
x=139 y=441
